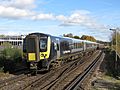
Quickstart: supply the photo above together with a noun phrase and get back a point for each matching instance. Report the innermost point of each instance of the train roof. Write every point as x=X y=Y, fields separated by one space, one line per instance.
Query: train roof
x=72 y=38
x=76 y=40
x=36 y=33
x=89 y=41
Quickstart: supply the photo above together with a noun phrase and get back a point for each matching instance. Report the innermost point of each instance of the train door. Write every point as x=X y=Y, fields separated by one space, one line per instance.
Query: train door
x=33 y=48
x=58 y=48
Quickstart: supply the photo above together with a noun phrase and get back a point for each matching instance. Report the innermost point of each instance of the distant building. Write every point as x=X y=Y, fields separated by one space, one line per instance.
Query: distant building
x=13 y=40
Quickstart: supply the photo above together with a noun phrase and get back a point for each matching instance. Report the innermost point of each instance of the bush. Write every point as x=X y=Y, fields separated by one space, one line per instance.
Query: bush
x=110 y=62
x=9 y=57
x=1 y=62
x=13 y=54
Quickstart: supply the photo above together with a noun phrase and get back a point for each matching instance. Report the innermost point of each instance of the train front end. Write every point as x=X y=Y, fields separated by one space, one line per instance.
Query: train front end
x=37 y=50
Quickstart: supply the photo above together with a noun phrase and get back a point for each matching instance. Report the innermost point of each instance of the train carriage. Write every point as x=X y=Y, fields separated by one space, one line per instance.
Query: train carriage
x=43 y=49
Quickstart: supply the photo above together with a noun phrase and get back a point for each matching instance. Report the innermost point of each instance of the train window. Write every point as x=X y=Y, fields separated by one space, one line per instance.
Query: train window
x=74 y=45
x=43 y=45
x=77 y=45
x=71 y=46
x=55 y=46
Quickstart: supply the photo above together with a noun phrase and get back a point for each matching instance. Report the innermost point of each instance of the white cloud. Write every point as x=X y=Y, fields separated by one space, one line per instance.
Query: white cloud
x=16 y=9
x=11 y=12
x=43 y=16
x=17 y=13
x=12 y=33
x=82 y=19
x=22 y=4
x=61 y=18
x=19 y=9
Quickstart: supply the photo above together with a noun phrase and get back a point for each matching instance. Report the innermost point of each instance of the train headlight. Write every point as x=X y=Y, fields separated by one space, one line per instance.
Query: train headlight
x=31 y=64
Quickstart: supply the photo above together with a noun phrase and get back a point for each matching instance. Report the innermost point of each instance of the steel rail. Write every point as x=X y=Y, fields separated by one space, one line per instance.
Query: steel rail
x=80 y=78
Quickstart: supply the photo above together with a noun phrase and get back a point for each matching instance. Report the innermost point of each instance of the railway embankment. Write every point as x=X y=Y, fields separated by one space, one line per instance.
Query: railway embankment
x=107 y=76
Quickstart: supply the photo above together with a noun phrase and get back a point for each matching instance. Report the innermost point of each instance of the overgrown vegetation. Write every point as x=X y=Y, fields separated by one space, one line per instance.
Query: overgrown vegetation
x=112 y=66
x=113 y=41
x=9 y=57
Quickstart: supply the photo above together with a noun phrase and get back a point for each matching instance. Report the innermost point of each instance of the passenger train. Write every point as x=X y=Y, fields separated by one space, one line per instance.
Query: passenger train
x=43 y=50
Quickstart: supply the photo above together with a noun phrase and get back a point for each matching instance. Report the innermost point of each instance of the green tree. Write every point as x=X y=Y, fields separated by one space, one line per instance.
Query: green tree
x=2 y=35
x=90 y=38
x=76 y=37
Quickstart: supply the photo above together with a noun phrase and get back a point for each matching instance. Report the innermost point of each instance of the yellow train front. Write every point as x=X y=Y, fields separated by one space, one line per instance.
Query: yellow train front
x=43 y=49
x=36 y=47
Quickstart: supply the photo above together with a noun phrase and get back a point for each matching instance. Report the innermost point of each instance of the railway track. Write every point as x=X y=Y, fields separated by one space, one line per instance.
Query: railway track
x=51 y=80
x=51 y=76
x=75 y=84
x=55 y=80
x=63 y=81
x=20 y=75
x=22 y=81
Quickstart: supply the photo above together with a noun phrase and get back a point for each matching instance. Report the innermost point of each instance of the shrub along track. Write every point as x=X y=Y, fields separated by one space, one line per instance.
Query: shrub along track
x=45 y=81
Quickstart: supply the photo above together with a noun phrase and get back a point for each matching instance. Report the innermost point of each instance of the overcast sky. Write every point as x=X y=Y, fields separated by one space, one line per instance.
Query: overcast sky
x=58 y=17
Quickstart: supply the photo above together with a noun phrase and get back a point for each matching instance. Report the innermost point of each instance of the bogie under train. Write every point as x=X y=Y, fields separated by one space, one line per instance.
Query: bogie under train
x=42 y=50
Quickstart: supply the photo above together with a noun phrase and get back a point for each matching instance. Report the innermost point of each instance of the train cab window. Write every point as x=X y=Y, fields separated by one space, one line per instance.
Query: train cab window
x=43 y=45
x=30 y=45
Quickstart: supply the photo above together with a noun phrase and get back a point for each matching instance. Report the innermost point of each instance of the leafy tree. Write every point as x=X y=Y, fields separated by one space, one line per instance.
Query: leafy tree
x=76 y=37
x=90 y=38
x=68 y=35
x=2 y=35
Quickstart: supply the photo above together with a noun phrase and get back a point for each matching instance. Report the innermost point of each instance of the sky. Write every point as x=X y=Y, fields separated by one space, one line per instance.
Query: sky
x=58 y=17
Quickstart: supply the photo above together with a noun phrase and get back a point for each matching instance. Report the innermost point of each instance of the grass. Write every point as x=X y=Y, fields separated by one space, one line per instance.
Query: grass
x=111 y=83
x=110 y=79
